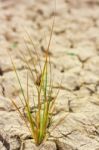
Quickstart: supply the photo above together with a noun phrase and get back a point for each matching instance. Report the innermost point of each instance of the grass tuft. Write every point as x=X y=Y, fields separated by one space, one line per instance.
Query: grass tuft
x=37 y=122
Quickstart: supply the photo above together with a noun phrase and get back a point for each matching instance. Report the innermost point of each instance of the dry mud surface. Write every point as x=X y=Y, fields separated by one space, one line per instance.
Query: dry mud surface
x=75 y=58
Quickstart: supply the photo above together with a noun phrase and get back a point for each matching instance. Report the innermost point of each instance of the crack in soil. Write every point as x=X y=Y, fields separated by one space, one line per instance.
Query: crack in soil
x=5 y=143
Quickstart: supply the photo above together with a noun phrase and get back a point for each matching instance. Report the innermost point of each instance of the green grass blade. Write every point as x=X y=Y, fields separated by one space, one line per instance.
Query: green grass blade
x=18 y=79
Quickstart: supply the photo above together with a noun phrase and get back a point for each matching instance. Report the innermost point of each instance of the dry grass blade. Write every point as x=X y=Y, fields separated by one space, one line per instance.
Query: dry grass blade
x=38 y=58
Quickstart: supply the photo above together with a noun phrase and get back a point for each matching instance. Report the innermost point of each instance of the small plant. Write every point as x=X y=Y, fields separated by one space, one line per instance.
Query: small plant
x=38 y=122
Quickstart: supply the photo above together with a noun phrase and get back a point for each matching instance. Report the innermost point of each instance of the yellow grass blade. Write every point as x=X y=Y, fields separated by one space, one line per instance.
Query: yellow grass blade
x=21 y=115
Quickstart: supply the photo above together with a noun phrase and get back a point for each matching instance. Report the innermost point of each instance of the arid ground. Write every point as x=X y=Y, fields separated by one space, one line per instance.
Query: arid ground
x=74 y=52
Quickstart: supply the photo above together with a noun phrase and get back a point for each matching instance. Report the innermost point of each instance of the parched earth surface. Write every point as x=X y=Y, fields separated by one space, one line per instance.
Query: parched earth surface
x=74 y=52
